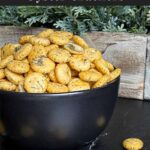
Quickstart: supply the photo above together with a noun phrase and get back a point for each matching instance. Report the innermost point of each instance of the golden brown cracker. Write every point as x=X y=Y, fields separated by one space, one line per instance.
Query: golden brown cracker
x=2 y=74
x=56 y=88
x=42 y=65
x=25 y=39
x=35 y=83
x=78 y=40
x=39 y=41
x=59 y=55
x=63 y=73
x=19 y=67
x=74 y=48
x=102 y=81
x=58 y=39
x=101 y=67
x=79 y=63
x=92 y=54
x=46 y=33
x=6 y=61
x=23 y=52
x=7 y=86
x=133 y=144
x=77 y=84
x=90 y=76
x=13 y=77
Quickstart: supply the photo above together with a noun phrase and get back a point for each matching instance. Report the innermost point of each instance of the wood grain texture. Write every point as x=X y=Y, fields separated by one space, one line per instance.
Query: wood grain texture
x=12 y=33
x=147 y=75
x=127 y=51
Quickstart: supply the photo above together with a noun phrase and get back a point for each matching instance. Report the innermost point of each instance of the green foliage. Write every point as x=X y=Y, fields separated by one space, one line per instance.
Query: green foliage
x=79 y=19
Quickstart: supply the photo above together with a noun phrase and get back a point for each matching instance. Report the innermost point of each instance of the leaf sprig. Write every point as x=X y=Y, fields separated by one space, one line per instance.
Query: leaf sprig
x=135 y=19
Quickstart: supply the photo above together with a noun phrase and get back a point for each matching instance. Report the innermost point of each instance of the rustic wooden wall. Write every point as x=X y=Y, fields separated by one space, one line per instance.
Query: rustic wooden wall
x=127 y=51
x=124 y=50
x=147 y=72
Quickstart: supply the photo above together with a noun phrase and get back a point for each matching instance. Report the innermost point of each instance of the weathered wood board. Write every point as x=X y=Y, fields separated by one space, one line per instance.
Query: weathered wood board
x=147 y=75
x=127 y=51
x=12 y=34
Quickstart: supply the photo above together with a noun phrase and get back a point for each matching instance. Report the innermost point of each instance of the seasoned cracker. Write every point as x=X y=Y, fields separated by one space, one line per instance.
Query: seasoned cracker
x=52 y=76
x=78 y=85
x=19 y=67
x=42 y=65
x=23 y=52
x=63 y=73
x=92 y=54
x=51 y=47
x=46 y=33
x=56 y=88
x=39 y=41
x=13 y=77
x=74 y=48
x=78 y=40
x=101 y=67
x=2 y=74
x=79 y=63
x=38 y=51
x=35 y=83
x=59 y=55
x=109 y=66
x=58 y=39
x=25 y=39
x=66 y=34
x=9 y=49
x=5 y=61
x=133 y=144
x=102 y=81
x=115 y=74
x=90 y=75
x=7 y=86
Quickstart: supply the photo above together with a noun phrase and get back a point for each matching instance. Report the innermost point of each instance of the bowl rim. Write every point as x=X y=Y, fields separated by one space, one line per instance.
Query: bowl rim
x=60 y=94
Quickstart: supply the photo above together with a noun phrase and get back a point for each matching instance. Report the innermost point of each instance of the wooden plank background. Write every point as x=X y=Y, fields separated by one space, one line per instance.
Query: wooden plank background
x=124 y=50
x=127 y=51
x=147 y=71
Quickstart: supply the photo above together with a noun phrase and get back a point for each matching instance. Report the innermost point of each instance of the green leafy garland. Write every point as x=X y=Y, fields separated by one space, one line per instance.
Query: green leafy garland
x=135 y=19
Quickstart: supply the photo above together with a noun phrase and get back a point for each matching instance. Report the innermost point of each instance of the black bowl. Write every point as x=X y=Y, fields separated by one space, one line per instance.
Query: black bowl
x=57 y=121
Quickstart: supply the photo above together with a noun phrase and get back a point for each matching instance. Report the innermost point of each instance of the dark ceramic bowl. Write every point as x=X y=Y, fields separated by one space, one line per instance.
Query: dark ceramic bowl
x=57 y=121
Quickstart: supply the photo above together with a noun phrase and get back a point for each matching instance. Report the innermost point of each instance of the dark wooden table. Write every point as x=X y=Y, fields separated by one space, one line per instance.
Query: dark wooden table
x=131 y=118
